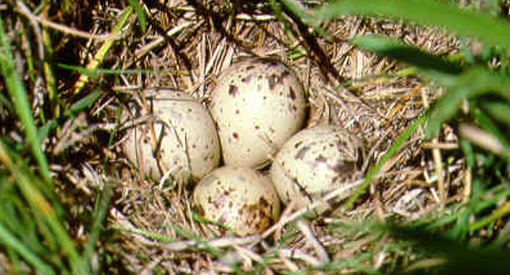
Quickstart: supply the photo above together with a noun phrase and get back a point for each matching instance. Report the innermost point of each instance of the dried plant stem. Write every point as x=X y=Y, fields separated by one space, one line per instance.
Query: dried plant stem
x=22 y=9
x=438 y=160
x=304 y=227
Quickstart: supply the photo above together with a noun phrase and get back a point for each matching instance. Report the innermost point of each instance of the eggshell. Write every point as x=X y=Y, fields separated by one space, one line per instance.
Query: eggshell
x=313 y=162
x=184 y=143
x=258 y=104
x=239 y=198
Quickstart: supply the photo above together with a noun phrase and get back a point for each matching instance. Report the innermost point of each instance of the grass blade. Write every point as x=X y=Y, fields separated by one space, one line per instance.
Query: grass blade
x=103 y=50
x=462 y=259
x=500 y=111
x=473 y=83
x=19 y=97
x=435 y=67
x=43 y=211
x=489 y=29
x=462 y=84
x=101 y=210
x=7 y=239
x=141 y=14
x=83 y=103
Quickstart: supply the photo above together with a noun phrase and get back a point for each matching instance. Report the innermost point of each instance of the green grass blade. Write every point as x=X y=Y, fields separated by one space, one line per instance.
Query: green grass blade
x=78 y=106
x=44 y=212
x=83 y=103
x=296 y=9
x=142 y=18
x=94 y=73
x=461 y=258
x=10 y=241
x=147 y=234
x=103 y=50
x=101 y=210
x=476 y=208
x=473 y=83
x=462 y=84
x=19 y=97
x=489 y=29
x=432 y=66
x=498 y=110
x=487 y=124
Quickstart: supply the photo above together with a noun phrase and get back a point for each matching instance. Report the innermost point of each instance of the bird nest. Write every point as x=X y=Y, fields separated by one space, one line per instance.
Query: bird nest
x=152 y=228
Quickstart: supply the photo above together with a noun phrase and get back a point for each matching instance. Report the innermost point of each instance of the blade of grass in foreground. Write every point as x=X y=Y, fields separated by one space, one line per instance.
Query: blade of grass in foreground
x=7 y=239
x=462 y=258
x=438 y=69
x=142 y=18
x=19 y=97
x=473 y=83
x=489 y=29
x=42 y=211
x=100 y=212
x=462 y=83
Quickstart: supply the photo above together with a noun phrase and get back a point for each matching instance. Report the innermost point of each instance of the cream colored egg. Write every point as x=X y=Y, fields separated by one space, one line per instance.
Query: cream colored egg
x=258 y=104
x=184 y=144
x=239 y=198
x=313 y=162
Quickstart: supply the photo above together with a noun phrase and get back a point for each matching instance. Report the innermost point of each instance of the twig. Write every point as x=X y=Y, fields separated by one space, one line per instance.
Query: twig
x=37 y=30
x=220 y=242
x=331 y=195
x=22 y=9
x=304 y=227
x=438 y=160
x=299 y=255
x=160 y=40
x=481 y=138
x=440 y=145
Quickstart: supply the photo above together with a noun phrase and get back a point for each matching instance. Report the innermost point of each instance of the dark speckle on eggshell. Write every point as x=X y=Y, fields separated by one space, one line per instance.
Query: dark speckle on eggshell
x=272 y=80
x=301 y=153
x=233 y=90
x=246 y=79
x=321 y=158
x=285 y=74
x=292 y=93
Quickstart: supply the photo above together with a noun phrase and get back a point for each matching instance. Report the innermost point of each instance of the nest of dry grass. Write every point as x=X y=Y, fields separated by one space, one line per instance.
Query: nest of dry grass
x=151 y=228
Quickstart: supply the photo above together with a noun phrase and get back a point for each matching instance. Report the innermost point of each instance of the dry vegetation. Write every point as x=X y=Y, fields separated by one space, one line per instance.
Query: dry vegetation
x=150 y=227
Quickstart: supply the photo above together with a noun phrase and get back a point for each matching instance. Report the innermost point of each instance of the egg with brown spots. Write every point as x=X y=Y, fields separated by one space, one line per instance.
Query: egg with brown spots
x=239 y=198
x=258 y=104
x=184 y=145
x=313 y=162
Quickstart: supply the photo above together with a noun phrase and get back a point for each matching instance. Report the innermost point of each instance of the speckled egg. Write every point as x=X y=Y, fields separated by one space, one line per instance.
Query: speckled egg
x=313 y=162
x=258 y=104
x=239 y=198
x=184 y=145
